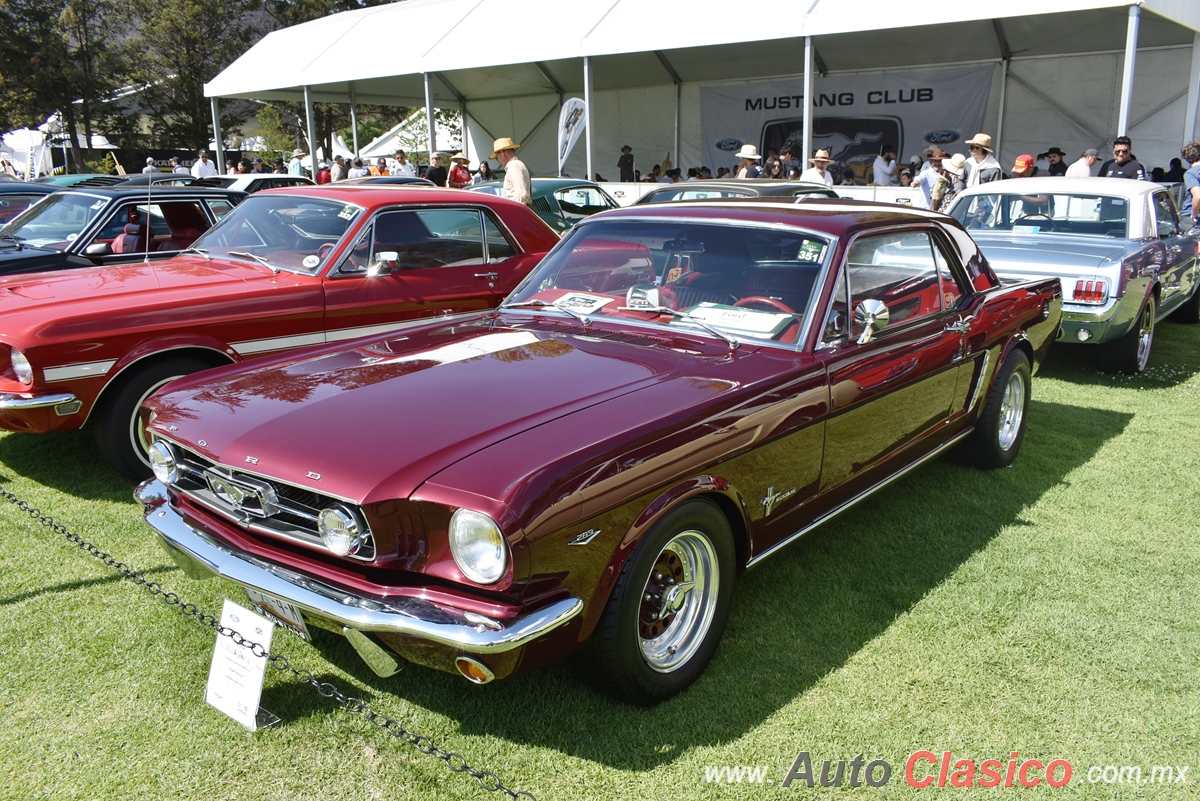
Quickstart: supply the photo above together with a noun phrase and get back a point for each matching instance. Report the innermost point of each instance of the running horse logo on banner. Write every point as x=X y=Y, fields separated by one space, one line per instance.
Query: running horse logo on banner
x=571 y=123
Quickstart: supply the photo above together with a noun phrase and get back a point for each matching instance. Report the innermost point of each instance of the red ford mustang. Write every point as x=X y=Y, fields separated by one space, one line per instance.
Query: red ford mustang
x=673 y=394
x=294 y=267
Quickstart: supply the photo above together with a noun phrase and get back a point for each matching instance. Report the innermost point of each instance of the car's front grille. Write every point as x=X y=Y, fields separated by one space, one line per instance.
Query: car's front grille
x=262 y=505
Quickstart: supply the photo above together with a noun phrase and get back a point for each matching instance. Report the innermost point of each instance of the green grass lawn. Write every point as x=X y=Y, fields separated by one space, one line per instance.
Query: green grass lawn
x=1052 y=608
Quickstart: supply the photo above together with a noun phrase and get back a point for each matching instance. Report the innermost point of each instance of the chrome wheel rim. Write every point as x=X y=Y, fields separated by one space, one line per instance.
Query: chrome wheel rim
x=678 y=602
x=1145 y=336
x=1012 y=410
x=137 y=434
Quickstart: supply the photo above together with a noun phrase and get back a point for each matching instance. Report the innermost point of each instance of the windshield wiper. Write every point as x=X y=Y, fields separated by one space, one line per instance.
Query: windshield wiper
x=254 y=257
x=733 y=343
x=539 y=303
x=13 y=237
x=203 y=252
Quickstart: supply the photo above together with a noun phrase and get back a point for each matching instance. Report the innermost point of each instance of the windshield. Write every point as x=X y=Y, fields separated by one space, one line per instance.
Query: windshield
x=1036 y=213
x=285 y=231
x=747 y=283
x=57 y=221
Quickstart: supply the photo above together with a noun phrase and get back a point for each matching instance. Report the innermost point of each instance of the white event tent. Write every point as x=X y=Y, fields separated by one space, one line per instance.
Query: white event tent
x=1071 y=73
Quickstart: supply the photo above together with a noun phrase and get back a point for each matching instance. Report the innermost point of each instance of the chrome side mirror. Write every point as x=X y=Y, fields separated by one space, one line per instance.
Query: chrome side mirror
x=384 y=261
x=97 y=249
x=872 y=315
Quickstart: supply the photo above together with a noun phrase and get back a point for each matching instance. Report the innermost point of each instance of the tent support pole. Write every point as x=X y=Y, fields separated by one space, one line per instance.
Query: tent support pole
x=429 y=112
x=670 y=68
x=220 y=148
x=808 y=106
x=353 y=119
x=1189 y=119
x=1131 y=37
x=1003 y=98
x=310 y=119
x=587 y=114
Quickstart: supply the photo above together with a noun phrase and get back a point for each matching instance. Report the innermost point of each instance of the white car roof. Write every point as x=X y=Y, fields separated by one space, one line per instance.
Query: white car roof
x=1113 y=187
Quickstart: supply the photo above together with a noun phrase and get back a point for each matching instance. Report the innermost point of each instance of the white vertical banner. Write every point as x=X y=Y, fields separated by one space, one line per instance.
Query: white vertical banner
x=571 y=122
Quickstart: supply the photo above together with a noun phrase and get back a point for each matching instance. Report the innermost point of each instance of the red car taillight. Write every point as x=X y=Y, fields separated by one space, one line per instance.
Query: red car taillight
x=1091 y=291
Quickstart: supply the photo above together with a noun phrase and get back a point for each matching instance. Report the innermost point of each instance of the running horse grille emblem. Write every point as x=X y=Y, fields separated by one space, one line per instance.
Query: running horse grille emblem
x=244 y=494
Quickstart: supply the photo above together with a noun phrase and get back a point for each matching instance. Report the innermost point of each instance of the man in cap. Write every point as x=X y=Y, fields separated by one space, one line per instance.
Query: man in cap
x=402 y=166
x=177 y=166
x=625 y=163
x=517 y=185
x=1058 y=167
x=1031 y=205
x=1083 y=167
x=436 y=172
x=338 y=171
x=256 y=166
x=149 y=168
x=203 y=167
x=819 y=173
x=295 y=167
x=981 y=167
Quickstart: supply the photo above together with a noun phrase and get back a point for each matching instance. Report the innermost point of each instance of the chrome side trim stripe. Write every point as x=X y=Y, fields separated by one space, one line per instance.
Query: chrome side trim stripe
x=68 y=372
x=253 y=346
x=931 y=455
x=278 y=343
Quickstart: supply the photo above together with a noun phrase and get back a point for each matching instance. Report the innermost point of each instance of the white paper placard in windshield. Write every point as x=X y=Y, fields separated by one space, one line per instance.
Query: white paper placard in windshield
x=740 y=320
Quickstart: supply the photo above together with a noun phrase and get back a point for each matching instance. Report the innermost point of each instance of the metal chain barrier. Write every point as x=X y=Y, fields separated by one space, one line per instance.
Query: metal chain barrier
x=454 y=761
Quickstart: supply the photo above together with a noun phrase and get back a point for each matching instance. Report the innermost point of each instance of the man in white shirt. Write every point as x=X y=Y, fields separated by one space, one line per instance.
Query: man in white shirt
x=885 y=167
x=203 y=167
x=402 y=166
x=149 y=168
x=1083 y=167
x=819 y=173
x=517 y=185
x=927 y=178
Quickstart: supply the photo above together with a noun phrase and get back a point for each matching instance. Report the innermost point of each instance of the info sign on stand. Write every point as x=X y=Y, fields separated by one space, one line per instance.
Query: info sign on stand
x=235 y=679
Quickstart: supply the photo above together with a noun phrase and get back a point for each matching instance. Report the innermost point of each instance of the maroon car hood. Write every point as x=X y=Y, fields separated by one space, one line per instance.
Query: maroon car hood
x=382 y=417
x=180 y=272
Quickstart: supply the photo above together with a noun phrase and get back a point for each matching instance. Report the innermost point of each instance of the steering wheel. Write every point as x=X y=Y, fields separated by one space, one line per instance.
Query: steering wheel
x=1038 y=218
x=761 y=300
x=325 y=249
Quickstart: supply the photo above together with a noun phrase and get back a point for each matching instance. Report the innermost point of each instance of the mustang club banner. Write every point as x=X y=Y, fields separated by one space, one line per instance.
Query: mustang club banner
x=853 y=115
x=571 y=122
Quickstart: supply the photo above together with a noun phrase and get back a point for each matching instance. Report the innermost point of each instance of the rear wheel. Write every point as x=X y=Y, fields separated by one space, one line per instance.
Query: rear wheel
x=667 y=612
x=1131 y=353
x=1001 y=429
x=119 y=433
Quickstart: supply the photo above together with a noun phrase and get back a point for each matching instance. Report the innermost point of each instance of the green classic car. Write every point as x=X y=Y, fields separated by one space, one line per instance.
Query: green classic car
x=561 y=202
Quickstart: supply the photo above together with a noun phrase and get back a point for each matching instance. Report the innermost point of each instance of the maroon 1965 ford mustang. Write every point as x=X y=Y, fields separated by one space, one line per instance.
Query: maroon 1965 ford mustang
x=675 y=393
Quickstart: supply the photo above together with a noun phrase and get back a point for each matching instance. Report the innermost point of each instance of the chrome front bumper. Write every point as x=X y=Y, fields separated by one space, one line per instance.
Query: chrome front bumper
x=9 y=400
x=202 y=556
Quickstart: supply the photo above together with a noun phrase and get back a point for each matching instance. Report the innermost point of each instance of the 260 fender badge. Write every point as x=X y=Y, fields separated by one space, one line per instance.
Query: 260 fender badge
x=772 y=498
x=585 y=537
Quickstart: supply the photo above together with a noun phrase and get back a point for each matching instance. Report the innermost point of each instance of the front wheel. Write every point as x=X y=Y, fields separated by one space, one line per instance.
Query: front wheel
x=1001 y=428
x=668 y=609
x=1131 y=353
x=119 y=433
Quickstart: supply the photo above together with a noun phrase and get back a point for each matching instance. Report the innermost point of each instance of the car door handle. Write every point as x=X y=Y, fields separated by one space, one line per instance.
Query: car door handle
x=489 y=276
x=961 y=327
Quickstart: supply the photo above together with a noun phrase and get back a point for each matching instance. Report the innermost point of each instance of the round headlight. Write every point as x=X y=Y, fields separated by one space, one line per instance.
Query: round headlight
x=163 y=462
x=21 y=367
x=478 y=546
x=339 y=530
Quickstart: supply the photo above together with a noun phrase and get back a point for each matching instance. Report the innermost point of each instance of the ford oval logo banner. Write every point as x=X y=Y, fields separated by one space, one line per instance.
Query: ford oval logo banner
x=729 y=145
x=942 y=137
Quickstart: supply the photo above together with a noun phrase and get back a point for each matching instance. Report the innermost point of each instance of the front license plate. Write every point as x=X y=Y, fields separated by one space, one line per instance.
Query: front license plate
x=282 y=612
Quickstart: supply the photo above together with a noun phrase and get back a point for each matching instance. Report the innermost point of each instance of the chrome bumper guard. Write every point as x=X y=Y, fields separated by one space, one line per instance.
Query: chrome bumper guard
x=201 y=556
x=9 y=400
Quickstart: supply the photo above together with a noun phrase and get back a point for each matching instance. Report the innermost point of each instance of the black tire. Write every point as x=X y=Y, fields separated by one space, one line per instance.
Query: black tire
x=634 y=655
x=1001 y=429
x=119 y=436
x=1189 y=312
x=1131 y=353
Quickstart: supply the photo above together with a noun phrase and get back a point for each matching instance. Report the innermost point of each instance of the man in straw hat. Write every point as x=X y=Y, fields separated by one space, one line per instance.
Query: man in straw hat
x=748 y=164
x=981 y=167
x=819 y=173
x=460 y=174
x=294 y=166
x=517 y=185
